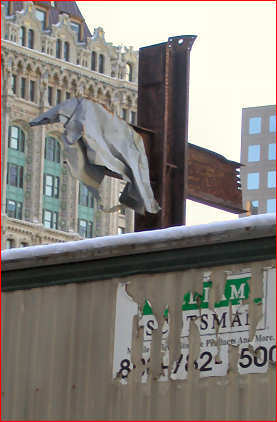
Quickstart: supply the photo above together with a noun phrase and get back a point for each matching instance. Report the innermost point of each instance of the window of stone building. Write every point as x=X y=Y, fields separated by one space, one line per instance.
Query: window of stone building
x=67 y=95
x=101 y=63
x=85 y=228
x=59 y=96
x=15 y=175
x=254 y=206
x=9 y=243
x=129 y=72
x=7 y=7
x=50 y=95
x=272 y=151
x=51 y=185
x=66 y=51
x=124 y=114
x=41 y=16
x=121 y=230
x=50 y=219
x=52 y=150
x=253 y=181
x=16 y=138
x=23 y=88
x=133 y=117
x=271 y=205
x=122 y=210
x=255 y=125
x=85 y=211
x=30 y=38
x=14 y=209
x=76 y=27
x=271 y=179
x=58 y=48
x=13 y=83
x=272 y=123
x=86 y=197
x=23 y=245
x=93 y=60
x=254 y=153
x=32 y=90
x=22 y=36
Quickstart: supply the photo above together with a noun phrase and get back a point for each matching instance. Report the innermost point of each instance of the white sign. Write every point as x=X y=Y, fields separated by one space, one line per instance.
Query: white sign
x=226 y=325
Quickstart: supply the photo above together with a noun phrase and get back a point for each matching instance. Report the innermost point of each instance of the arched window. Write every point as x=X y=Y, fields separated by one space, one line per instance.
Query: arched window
x=129 y=72
x=58 y=48
x=30 y=38
x=93 y=60
x=16 y=138
x=66 y=51
x=101 y=63
x=52 y=150
x=22 y=36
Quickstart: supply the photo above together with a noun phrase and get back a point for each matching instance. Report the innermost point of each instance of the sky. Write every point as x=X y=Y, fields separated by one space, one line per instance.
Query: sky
x=232 y=63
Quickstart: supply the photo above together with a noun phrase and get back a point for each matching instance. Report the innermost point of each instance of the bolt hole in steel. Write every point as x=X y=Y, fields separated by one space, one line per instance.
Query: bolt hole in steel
x=180 y=41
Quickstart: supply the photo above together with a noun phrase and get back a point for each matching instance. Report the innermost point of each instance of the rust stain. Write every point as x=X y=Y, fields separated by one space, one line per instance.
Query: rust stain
x=214 y=180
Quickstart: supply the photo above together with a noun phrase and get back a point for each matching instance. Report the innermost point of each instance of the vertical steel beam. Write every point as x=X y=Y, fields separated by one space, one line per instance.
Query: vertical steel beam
x=163 y=89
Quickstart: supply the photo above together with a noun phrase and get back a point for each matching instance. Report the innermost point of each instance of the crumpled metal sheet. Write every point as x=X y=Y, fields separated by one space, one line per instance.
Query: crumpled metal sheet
x=96 y=140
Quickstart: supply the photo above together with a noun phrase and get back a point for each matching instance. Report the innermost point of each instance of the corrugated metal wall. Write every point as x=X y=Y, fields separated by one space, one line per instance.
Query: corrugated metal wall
x=58 y=352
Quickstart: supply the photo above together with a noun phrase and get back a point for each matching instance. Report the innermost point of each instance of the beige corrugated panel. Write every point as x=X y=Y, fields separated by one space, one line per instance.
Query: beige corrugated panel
x=58 y=347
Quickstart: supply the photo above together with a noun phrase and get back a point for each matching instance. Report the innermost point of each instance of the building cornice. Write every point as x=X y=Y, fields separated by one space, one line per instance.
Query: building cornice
x=79 y=71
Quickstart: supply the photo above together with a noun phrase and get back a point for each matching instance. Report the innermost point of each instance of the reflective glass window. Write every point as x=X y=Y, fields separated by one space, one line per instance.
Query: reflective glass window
x=253 y=181
x=51 y=186
x=101 y=63
x=93 y=60
x=15 y=175
x=14 y=209
x=50 y=219
x=16 y=138
x=271 y=179
x=22 y=36
x=272 y=151
x=41 y=16
x=85 y=196
x=58 y=48
x=77 y=29
x=30 y=38
x=13 y=84
x=254 y=153
x=52 y=150
x=255 y=125
x=32 y=90
x=85 y=228
x=23 y=87
x=272 y=124
x=271 y=205
x=66 y=51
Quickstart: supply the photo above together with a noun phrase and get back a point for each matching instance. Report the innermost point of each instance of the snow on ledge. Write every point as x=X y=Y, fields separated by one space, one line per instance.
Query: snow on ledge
x=147 y=241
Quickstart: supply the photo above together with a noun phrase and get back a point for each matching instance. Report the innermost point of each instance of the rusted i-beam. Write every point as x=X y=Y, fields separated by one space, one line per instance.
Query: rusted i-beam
x=163 y=88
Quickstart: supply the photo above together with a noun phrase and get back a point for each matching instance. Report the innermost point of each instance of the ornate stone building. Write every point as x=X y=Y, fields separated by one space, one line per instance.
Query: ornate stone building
x=49 y=55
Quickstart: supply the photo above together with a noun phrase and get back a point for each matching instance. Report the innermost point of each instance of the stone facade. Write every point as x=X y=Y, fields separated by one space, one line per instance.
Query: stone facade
x=49 y=55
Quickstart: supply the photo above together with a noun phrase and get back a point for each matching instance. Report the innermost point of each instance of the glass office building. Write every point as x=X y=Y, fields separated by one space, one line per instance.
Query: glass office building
x=258 y=155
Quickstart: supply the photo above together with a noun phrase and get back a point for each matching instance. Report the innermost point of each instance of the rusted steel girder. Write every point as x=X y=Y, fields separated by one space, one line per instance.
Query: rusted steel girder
x=213 y=180
x=163 y=86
